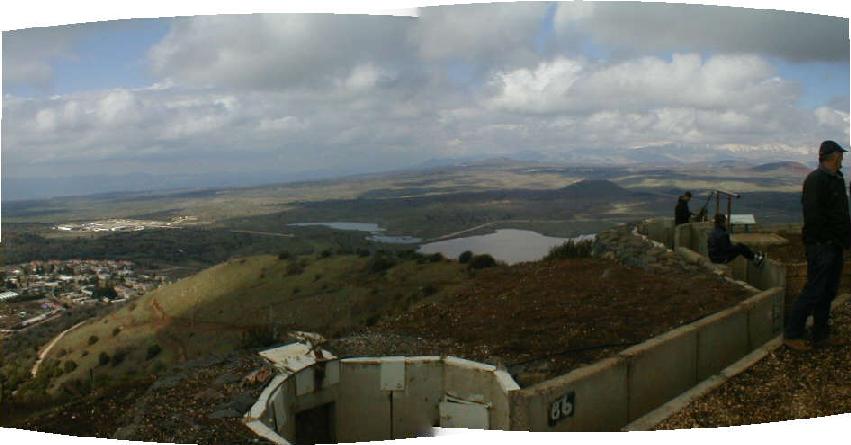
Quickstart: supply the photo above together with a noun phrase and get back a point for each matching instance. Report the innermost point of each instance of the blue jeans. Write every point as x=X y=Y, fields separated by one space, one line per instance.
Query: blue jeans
x=824 y=269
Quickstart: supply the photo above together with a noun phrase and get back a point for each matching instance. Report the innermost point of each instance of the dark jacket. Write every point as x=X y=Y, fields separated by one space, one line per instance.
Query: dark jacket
x=682 y=212
x=719 y=245
x=825 y=204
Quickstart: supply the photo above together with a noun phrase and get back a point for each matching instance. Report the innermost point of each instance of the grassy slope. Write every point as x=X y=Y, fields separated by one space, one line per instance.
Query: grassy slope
x=211 y=311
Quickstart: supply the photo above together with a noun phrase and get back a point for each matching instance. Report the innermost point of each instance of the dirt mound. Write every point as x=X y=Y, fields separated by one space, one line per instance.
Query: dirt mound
x=543 y=319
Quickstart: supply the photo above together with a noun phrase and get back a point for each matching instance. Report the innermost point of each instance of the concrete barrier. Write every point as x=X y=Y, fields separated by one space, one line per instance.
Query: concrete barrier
x=660 y=230
x=660 y=368
x=598 y=393
x=721 y=340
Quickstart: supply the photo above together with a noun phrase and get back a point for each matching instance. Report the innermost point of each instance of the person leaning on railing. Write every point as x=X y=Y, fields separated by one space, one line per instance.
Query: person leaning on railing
x=826 y=232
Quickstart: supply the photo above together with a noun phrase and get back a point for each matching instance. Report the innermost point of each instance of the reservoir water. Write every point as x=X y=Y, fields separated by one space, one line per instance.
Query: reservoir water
x=509 y=245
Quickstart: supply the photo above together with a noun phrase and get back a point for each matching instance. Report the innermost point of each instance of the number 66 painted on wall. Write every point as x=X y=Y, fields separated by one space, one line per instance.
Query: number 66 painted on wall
x=562 y=408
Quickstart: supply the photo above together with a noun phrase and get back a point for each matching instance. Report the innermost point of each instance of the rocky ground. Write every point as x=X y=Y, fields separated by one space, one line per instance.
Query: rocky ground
x=542 y=319
x=784 y=385
x=201 y=401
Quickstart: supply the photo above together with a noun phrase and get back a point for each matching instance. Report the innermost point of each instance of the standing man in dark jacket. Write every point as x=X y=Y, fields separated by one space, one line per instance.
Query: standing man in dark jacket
x=826 y=232
x=682 y=214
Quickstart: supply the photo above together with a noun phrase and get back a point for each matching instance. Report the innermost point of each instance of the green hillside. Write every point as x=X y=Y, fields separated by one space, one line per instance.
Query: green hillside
x=245 y=302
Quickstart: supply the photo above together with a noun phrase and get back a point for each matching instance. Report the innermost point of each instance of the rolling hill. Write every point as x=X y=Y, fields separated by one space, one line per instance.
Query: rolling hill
x=246 y=302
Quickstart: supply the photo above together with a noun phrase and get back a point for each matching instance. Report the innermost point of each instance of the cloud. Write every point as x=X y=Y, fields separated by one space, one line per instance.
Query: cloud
x=274 y=51
x=633 y=28
x=29 y=54
x=687 y=80
x=485 y=33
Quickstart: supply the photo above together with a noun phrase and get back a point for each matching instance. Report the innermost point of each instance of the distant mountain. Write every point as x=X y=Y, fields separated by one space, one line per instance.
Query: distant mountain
x=787 y=166
x=16 y=189
x=601 y=189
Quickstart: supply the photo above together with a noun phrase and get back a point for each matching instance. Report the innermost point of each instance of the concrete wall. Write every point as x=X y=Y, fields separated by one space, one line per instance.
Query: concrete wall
x=659 y=369
x=659 y=229
x=613 y=392
x=600 y=394
x=383 y=398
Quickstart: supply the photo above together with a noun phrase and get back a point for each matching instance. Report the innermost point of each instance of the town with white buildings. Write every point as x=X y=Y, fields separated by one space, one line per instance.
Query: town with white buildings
x=37 y=291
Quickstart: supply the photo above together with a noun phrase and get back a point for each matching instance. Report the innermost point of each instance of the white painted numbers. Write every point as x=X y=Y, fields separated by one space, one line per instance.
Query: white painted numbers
x=562 y=408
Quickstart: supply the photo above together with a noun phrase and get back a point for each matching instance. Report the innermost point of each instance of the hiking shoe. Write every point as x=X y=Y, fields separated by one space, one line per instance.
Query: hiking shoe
x=797 y=344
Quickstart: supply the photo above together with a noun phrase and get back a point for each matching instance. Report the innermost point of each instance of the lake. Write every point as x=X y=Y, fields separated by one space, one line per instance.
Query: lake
x=509 y=245
x=375 y=231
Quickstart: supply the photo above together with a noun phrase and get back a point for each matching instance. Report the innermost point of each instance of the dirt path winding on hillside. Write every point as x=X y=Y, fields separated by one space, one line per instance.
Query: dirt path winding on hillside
x=46 y=349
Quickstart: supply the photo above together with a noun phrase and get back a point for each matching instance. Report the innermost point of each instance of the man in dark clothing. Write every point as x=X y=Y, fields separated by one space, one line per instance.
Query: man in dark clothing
x=826 y=232
x=682 y=214
x=722 y=250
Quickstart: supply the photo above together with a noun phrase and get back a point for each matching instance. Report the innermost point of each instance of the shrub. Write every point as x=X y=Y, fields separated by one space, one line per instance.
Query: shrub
x=153 y=351
x=103 y=359
x=284 y=255
x=435 y=257
x=363 y=253
x=294 y=268
x=379 y=264
x=465 y=257
x=118 y=357
x=481 y=261
x=325 y=253
x=93 y=339
x=116 y=331
x=429 y=289
x=70 y=366
x=570 y=249
x=260 y=336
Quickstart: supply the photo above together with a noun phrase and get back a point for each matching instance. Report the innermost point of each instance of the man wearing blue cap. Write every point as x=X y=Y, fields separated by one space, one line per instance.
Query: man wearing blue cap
x=826 y=232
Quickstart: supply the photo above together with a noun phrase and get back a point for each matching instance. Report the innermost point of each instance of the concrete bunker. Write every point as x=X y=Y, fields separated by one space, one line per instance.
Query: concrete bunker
x=320 y=398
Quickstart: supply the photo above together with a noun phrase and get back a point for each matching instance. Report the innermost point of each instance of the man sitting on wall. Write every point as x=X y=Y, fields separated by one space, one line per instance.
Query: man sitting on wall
x=722 y=250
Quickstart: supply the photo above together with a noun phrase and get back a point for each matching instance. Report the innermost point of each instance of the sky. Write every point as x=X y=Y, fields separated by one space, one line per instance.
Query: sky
x=356 y=93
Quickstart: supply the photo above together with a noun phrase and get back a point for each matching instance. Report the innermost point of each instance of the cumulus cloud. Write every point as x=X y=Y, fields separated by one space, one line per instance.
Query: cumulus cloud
x=273 y=51
x=634 y=28
x=687 y=80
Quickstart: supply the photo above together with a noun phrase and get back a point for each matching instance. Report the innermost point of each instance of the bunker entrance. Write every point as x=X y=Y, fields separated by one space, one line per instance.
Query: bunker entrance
x=315 y=425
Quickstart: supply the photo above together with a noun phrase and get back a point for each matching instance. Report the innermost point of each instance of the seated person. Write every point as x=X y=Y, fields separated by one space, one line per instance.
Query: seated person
x=721 y=250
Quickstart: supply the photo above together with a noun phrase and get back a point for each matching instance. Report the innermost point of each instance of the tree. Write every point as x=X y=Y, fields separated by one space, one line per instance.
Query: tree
x=481 y=261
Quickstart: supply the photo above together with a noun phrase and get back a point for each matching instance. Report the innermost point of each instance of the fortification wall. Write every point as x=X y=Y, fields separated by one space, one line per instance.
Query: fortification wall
x=607 y=395
x=383 y=398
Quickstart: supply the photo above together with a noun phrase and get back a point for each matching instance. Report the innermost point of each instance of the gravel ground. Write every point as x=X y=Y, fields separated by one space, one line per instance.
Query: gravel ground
x=784 y=385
